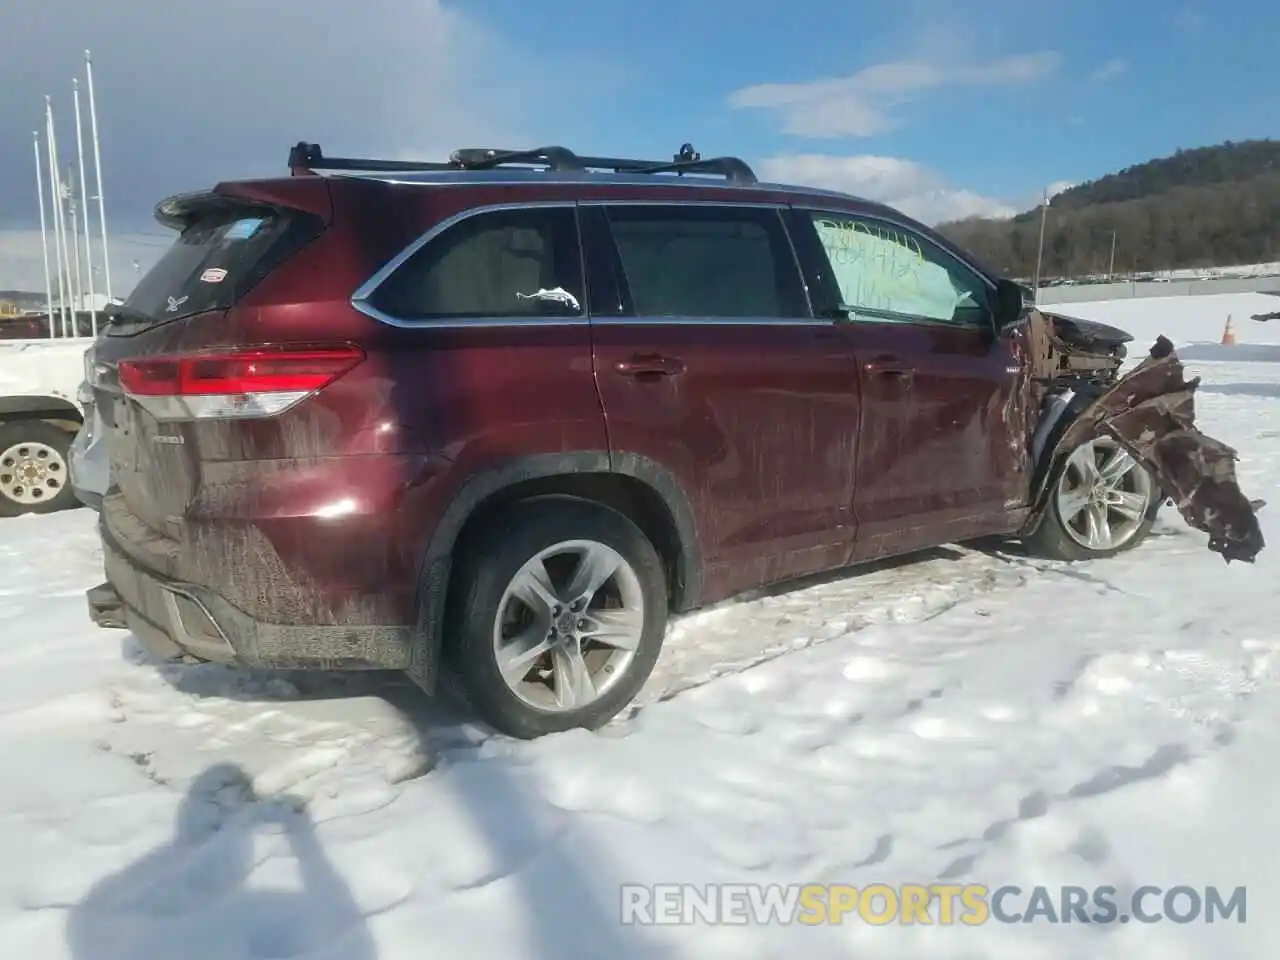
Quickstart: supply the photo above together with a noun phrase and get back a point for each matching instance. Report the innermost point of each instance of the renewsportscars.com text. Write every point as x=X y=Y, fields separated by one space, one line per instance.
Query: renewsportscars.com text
x=941 y=904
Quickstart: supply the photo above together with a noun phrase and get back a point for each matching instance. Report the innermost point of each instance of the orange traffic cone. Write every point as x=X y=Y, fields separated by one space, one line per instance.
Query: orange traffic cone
x=1228 y=332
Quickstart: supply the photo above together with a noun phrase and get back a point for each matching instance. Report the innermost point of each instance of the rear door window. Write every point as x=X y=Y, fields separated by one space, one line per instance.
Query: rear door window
x=212 y=262
x=710 y=262
x=513 y=264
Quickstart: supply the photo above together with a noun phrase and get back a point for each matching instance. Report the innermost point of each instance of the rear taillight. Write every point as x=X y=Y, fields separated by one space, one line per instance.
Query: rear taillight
x=256 y=382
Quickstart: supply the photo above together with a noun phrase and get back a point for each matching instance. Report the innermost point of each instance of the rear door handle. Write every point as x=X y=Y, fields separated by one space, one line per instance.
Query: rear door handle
x=887 y=367
x=649 y=365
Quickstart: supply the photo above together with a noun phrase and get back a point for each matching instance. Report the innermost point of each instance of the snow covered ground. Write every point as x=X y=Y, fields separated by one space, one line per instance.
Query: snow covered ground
x=1242 y=270
x=967 y=717
x=1185 y=320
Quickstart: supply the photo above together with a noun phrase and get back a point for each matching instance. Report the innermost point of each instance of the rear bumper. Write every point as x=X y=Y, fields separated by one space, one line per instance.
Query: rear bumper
x=181 y=620
x=90 y=471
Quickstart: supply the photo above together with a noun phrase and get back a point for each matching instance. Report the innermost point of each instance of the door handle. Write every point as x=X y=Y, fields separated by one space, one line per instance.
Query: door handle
x=649 y=365
x=894 y=369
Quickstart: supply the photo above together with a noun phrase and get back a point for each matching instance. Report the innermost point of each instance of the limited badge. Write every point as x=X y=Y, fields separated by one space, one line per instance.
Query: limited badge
x=214 y=275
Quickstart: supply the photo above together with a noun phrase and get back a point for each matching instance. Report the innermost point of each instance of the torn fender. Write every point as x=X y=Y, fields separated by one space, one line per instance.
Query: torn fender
x=1151 y=412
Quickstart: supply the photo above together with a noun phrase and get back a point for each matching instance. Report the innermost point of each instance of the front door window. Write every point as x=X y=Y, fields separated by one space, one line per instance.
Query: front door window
x=888 y=272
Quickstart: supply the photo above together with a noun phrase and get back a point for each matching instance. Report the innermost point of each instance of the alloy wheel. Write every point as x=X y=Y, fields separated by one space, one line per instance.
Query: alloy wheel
x=1103 y=495
x=568 y=625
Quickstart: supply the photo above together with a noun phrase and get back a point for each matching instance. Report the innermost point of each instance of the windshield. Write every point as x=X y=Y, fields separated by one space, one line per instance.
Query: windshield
x=210 y=260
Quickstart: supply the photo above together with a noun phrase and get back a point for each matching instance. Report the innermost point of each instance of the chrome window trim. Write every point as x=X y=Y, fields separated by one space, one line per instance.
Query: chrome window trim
x=683 y=321
x=360 y=299
x=692 y=202
x=908 y=320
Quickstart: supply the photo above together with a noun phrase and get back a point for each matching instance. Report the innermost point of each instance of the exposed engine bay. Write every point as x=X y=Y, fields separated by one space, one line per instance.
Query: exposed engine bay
x=1079 y=393
x=1083 y=348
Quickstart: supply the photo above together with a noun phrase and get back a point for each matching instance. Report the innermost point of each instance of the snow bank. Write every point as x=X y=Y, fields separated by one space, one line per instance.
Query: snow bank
x=1184 y=320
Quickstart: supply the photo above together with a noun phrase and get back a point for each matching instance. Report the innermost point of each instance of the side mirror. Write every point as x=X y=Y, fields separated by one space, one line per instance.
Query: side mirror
x=1011 y=303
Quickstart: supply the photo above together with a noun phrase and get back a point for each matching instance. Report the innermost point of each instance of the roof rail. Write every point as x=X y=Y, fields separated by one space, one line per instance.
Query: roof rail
x=307 y=157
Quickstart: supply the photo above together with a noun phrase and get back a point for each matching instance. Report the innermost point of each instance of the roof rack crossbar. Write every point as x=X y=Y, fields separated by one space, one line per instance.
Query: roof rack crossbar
x=305 y=157
x=729 y=167
x=486 y=158
x=559 y=157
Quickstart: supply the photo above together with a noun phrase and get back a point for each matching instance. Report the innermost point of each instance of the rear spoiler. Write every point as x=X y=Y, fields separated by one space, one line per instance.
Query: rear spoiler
x=178 y=211
x=267 y=196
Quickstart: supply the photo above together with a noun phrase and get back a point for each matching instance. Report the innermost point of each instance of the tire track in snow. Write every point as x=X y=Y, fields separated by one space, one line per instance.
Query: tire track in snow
x=734 y=637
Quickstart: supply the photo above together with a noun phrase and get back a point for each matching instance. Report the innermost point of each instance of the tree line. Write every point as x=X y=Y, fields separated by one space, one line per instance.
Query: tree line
x=1213 y=206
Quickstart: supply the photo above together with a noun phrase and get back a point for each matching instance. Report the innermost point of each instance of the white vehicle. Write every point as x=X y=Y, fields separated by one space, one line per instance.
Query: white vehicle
x=90 y=468
x=41 y=410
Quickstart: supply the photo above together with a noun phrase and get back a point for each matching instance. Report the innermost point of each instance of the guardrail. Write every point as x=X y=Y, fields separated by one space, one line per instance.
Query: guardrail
x=1076 y=293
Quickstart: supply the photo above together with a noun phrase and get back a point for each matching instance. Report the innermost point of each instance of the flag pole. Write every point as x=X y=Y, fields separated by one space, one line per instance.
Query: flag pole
x=55 y=185
x=97 y=167
x=77 y=290
x=84 y=194
x=44 y=232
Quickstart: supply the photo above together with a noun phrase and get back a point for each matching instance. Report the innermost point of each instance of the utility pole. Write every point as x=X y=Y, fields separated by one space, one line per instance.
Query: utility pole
x=1111 y=270
x=1044 y=215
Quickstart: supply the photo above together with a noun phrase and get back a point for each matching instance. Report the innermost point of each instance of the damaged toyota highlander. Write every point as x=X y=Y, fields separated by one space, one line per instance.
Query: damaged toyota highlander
x=497 y=417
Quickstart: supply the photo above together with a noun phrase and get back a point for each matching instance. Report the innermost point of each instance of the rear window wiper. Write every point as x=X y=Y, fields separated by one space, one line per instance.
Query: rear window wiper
x=118 y=311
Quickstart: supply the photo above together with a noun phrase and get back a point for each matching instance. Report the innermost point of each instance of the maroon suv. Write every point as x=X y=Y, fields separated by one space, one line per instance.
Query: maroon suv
x=505 y=413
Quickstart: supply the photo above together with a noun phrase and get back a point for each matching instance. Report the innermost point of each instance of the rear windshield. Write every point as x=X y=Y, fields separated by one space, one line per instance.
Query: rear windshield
x=212 y=260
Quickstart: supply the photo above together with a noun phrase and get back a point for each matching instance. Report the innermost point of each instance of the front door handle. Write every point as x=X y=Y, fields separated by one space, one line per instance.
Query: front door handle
x=649 y=365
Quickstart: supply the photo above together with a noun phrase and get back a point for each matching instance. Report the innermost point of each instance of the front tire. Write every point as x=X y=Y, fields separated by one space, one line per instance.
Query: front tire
x=557 y=613
x=1101 y=502
x=34 y=473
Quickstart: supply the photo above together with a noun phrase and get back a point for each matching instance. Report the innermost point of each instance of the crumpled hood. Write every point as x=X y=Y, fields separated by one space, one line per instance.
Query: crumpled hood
x=1079 y=332
x=1151 y=412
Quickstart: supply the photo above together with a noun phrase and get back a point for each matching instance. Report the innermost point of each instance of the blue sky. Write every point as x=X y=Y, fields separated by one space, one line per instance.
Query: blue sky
x=942 y=107
x=1101 y=84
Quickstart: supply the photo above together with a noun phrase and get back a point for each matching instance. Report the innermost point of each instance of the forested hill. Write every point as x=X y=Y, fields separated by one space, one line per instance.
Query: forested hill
x=1211 y=206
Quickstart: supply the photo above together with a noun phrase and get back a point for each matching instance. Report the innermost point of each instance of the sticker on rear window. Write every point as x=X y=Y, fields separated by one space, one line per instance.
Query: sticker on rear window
x=243 y=229
x=213 y=275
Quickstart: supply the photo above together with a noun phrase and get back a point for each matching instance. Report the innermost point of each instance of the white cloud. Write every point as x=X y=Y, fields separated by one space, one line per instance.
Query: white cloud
x=861 y=104
x=1110 y=70
x=915 y=189
x=188 y=95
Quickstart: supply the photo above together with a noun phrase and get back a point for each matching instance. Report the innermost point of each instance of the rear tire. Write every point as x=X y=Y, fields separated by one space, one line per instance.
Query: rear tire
x=1101 y=502
x=556 y=616
x=34 y=468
